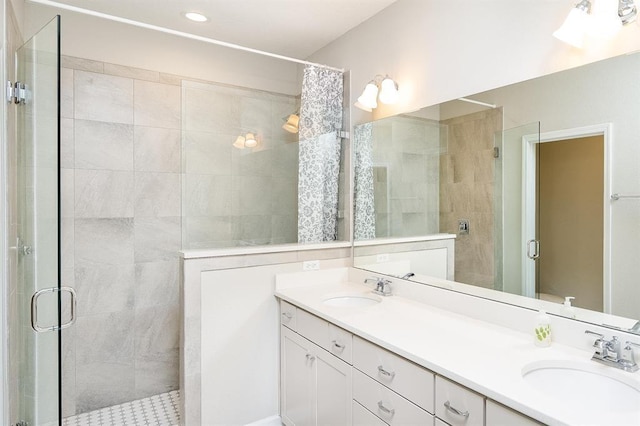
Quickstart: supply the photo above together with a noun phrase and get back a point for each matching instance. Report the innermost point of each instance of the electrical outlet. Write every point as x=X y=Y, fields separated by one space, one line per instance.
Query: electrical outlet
x=384 y=257
x=311 y=265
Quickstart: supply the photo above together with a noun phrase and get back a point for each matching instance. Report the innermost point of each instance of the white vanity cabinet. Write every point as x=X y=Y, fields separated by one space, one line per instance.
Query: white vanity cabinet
x=499 y=415
x=458 y=405
x=396 y=390
x=315 y=384
x=331 y=377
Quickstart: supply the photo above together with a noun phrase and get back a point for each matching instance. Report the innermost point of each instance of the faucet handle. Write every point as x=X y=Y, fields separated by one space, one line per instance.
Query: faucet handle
x=599 y=343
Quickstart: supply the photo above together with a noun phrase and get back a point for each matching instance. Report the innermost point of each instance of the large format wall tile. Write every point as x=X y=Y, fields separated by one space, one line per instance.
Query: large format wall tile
x=157 y=194
x=157 y=238
x=103 y=194
x=156 y=283
x=156 y=149
x=103 y=241
x=208 y=153
x=207 y=195
x=105 y=288
x=157 y=104
x=100 y=145
x=103 y=97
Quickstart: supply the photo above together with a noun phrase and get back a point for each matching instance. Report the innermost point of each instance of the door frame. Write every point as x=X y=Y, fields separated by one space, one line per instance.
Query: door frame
x=529 y=164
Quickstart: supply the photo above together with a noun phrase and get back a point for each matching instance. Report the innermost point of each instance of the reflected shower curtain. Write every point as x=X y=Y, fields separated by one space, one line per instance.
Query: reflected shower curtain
x=319 y=154
x=364 y=215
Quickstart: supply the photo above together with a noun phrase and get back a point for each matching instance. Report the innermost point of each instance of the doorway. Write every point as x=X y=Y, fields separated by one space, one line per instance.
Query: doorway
x=567 y=214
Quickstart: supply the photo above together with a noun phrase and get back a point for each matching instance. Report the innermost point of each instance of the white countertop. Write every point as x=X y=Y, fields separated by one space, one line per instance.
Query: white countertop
x=482 y=356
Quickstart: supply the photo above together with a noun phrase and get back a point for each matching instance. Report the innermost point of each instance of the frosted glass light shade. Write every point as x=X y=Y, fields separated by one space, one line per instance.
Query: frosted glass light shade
x=291 y=125
x=574 y=28
x=368 y=97
x=250 y=141
x=388 y=91
x=239 y=143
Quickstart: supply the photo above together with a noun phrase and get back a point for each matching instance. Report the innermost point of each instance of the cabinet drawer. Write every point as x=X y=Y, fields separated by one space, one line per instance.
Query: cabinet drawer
x=451 y=396
x=386 y=404
x=340 y=343
x=288 y=315
x=499 y=415
x=408 y=379
x=313 y=328
x=364 y=417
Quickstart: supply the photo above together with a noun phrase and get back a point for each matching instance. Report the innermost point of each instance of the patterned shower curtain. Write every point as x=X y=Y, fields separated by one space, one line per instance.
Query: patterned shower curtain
x=364 y=215
x=319 y=154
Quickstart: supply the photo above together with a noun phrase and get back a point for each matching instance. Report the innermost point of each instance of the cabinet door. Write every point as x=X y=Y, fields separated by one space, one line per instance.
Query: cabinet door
x=333 y=389
x=499 y=415
x=297 y=375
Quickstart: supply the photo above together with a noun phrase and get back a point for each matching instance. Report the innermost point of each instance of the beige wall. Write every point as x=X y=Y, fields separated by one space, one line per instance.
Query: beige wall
x=467 y=192
x=571 y=220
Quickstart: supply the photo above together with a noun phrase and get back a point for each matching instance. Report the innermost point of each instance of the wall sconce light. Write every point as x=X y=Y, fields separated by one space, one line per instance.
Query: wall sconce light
x=601 y=22
x=249 y=140
x=291 y=124
x=383 y=88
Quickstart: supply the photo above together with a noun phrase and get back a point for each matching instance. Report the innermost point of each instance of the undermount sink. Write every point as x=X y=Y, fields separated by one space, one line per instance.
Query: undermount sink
x=585 y=384
x=353 y=300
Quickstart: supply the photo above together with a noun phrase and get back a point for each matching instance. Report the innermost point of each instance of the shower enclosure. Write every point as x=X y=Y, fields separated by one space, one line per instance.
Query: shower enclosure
x=36 y=299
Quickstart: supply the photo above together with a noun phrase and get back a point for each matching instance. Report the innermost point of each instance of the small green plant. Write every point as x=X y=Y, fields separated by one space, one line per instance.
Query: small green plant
x=542 y=332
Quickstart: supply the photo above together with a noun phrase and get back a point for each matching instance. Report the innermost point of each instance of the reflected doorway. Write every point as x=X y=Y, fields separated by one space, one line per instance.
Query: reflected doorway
x=570 y=212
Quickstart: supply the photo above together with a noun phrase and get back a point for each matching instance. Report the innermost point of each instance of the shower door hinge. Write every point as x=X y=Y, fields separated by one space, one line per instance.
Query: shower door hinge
x=496 y=152
x=343 y=134
x=16 y=92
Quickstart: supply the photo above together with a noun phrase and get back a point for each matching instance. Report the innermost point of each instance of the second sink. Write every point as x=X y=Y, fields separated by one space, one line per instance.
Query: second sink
x=356 y=300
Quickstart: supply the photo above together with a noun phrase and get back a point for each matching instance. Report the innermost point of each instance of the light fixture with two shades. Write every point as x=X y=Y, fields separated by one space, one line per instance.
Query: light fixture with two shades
x=248 y=140
x=600 y=19
x=381 y=87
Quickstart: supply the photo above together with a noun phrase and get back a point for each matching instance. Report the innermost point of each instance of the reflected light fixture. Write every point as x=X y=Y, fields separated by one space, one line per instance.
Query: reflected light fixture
x=600 y=22
x=196 y=17
x=575 y=26
x=383 y=88
x=249 y=140
x=291 y=124
x=627 y=11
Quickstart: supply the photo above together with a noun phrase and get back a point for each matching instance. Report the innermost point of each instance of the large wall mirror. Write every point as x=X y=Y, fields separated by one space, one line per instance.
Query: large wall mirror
x=530 y=193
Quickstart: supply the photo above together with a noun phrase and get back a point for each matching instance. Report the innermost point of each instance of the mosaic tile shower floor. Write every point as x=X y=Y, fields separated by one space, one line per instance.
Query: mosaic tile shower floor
x=157 y=410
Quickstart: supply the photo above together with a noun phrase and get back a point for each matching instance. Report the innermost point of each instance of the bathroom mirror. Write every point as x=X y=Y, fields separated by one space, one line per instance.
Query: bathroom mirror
x=536 y=183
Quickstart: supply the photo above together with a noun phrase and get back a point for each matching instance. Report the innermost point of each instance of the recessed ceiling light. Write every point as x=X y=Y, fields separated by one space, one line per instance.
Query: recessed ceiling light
x=196 y=17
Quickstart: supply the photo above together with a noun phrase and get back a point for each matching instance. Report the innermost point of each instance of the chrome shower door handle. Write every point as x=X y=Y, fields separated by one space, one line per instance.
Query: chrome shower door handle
x=536 y=249
x=34 y=309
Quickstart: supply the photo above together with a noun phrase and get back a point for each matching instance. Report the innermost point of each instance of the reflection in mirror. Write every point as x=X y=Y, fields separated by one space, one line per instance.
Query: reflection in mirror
x=524 y=180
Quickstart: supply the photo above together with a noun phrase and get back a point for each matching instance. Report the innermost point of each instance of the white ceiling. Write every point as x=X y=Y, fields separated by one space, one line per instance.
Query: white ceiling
x=295 y=28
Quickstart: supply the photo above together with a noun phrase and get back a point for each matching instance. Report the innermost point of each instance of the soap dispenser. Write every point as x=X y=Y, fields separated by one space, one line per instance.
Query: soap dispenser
x=568 y=310
x=542 y=336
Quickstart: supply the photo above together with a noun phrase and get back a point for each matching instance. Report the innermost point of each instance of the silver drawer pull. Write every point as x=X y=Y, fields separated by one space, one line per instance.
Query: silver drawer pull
x=310 y=358
x=337 y=345
x=287 y=315
x=455 y=411
x=386 y=374
x=388 y=411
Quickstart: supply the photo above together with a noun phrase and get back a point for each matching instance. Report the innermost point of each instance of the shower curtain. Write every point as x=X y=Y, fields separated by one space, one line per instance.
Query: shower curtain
x=364 y=215
x=319 y=154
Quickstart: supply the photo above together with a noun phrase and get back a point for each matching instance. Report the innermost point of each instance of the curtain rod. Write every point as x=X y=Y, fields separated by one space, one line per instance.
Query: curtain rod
x=472 y=101
x=176 y=33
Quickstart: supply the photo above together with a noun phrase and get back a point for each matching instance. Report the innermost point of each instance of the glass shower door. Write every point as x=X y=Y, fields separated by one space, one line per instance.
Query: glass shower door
x=518 y=248
x=39 y=292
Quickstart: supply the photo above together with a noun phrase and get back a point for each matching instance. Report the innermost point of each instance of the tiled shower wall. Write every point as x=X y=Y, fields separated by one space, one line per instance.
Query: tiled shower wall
x=406 y=153
x=467 y=182
x=121 y=163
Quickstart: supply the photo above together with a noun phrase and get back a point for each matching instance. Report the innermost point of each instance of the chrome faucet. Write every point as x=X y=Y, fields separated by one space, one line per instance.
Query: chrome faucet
x=383 y=286
x=613 y=354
